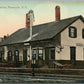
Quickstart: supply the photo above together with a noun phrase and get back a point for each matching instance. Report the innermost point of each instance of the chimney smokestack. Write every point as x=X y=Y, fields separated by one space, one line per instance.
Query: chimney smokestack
x=27 y=20
x=57 y=13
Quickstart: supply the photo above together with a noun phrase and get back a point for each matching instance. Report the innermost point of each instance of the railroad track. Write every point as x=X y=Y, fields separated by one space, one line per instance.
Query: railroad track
x=14 y=76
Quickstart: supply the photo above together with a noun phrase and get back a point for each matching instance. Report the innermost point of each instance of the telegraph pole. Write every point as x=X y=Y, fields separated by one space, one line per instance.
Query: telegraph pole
x=31 y=16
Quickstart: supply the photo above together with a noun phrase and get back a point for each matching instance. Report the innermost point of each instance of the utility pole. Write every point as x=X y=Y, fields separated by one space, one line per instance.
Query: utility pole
x=31 y=16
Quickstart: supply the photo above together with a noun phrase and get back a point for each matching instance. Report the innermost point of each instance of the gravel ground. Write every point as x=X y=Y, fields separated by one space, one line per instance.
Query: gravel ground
x=27 y=77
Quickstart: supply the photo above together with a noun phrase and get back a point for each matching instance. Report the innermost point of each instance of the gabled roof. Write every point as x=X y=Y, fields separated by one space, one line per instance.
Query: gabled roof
x=40 y=32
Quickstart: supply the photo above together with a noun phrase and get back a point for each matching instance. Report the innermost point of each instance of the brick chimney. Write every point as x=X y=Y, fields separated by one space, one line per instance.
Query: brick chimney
x=57 y=13
x=27 y=21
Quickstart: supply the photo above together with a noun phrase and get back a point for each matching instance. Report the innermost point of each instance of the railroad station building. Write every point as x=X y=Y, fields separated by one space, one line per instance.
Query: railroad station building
x=62 y=39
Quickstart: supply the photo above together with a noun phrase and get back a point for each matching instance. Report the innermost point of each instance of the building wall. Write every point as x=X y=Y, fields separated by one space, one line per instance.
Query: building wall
x=18 y=47
x=63 y=55
x=46 y=44
x=68 y=42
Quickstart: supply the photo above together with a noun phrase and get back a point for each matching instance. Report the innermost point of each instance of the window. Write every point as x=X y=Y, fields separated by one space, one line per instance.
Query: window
x=72 y=32
x=40 y=54
x=83 y=33
x=9 y=55
x=16 y=55
x=16 y=52
x=34 y=54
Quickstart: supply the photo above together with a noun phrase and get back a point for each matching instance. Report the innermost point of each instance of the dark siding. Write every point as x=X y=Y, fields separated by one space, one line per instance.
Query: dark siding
x=55 y=41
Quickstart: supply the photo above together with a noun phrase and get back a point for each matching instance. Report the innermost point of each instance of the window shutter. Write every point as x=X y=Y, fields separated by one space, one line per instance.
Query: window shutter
x=75 y=32
x=69 y=32
x=82 y=33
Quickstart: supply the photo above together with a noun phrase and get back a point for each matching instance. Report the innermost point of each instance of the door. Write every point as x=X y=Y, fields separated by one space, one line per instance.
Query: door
x=47 y=56
x=16 y=55
x=52 y=53
x=25 y=56
x=73 y=53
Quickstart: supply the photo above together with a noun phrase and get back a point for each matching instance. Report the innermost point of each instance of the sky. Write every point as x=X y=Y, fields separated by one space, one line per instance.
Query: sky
x=13 y=13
